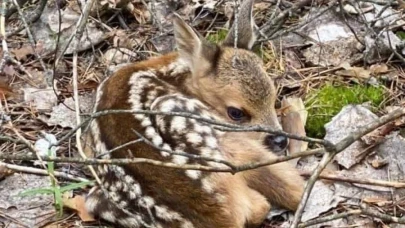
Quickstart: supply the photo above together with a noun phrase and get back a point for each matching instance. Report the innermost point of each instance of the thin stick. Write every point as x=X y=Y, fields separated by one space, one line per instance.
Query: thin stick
x=373 y=182
x=329 y=218
x=25 y=169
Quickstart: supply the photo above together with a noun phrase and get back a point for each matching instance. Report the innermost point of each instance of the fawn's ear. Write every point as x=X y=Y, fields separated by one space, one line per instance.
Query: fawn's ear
x=192 y=47
x=245 y=31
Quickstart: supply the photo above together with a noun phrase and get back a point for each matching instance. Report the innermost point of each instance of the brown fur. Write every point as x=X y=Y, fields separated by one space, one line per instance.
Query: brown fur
x=218 y=80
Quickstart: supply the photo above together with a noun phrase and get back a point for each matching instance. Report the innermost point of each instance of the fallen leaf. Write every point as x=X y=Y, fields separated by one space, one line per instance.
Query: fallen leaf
x=65 y=117
x=23 y=52
x=358 y=72
x=293 y=120
x=379 y=201
x=77 y=203
x=42 y=99
x=348 y=120
x=378 y=69
x=5 y=90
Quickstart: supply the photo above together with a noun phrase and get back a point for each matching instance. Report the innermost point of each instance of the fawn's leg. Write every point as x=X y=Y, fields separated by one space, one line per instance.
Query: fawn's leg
x=279 y=183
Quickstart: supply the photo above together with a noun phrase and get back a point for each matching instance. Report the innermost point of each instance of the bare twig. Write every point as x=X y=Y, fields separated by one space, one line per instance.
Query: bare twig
x=382 y=183
x=387 y=218
x=79 y=32
x=123 y=161
x=329 y=218
x=42 y=172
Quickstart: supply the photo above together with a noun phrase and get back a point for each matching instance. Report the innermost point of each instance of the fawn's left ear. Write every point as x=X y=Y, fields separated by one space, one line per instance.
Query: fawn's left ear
x=192 y=47
x=245 y=32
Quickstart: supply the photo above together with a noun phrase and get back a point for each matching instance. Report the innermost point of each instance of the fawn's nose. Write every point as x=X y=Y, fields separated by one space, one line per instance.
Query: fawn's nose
x=276 y=143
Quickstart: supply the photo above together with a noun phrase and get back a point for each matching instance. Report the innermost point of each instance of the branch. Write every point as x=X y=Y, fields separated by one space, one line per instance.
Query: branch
x=387 y=218
x=126 y=161
x=358 y=181
x=329 y=218
x=42 y=172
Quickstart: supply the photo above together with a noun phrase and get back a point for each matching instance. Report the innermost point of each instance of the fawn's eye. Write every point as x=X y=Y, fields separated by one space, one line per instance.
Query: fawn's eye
x=236 y=114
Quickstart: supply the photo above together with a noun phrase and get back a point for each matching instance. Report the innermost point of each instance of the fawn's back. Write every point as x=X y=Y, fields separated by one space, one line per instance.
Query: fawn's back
x=217 y=82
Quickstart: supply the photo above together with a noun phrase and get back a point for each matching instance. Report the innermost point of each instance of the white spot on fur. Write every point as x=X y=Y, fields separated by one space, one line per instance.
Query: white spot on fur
x=108 y=215
x=211 y=142
x=168 y=105
x=187 y=224
x=92 y=201
x=123 y=204
x=137 y=189
x=150 y=132
x=146 y=202
x=193 y=174
x=118 y=185
x=166 y=147
x=194 y=138
x=129 y=222
x=113 y=188
x=164 y=213
x=178 y=124
x=132 y=195
x=207 y=185
x=180 y=160
x=206 y=152
x=157 y=140
x=114 y=196
x=146 y=122
x=128 y=179
x=140 y=117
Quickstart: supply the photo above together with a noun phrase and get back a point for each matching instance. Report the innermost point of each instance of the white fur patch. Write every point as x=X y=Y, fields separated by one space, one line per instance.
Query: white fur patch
x=129 y=222
x=211 y=142
x=108 y=215
x=207 y=185
x=164 y=213
x=168 y=105
x=194 y=138
x=193 y=174
x=146 y=122
x=92 y=202
x=178 y=124
x=146 y=202
x=187 y=224
x=180 y=160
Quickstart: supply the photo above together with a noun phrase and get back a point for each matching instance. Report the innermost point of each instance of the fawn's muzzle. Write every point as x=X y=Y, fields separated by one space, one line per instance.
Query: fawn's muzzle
x=276 y=143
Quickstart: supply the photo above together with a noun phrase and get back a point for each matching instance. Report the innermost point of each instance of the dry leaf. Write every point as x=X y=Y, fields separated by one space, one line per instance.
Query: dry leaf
x=376 y=200
x=23 y=52
x=358 y=72
x=293 y=120
x=5 y=90
x=77 y=203
x=348 y=120
x=378 y=69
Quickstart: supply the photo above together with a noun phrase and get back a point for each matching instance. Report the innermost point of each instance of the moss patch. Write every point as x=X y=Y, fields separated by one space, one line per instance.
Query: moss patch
x=217 y=36
x=328 y=101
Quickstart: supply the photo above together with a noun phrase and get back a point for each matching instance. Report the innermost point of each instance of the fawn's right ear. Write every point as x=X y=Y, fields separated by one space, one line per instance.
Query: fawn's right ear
x=192 y=47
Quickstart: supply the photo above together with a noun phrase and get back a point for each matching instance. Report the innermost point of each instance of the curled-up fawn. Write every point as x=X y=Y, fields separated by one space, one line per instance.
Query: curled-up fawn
x=218 y=82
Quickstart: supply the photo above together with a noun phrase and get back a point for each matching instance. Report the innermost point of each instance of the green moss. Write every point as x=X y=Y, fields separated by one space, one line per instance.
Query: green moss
x=217 y=36
x=328 y=101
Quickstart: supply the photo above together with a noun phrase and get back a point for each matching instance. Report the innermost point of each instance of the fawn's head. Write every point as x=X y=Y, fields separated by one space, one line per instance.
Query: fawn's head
x=231 y=80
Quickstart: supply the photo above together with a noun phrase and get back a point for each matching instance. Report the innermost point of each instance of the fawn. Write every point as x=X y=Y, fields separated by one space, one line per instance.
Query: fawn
x=219 y=82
